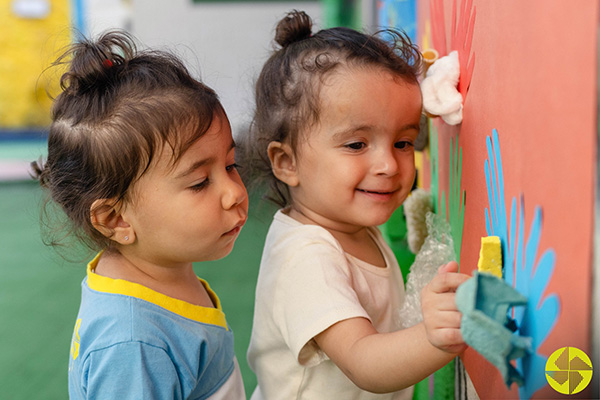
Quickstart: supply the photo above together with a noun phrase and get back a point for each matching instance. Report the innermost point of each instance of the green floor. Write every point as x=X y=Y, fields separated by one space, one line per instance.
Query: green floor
x=39 y=296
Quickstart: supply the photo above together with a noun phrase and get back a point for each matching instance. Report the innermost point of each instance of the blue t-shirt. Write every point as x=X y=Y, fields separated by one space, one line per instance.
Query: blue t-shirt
x=131 y=342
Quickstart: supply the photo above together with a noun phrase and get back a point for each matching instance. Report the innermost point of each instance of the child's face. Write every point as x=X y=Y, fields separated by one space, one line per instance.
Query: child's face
x=192 y=211
x=357 y=165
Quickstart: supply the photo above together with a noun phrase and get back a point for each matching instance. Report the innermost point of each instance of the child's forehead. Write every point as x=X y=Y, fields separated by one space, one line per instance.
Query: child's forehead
x=350 y=85
x=193 y=141
x=185 y=133
x=353 y=70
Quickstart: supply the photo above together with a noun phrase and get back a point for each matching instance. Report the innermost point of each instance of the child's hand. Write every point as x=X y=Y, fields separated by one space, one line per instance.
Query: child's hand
x=440 y=315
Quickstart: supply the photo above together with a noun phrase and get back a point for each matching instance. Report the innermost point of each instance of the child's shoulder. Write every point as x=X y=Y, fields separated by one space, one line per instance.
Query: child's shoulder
x=106 y=319
x=291 y=243
x=285 y=229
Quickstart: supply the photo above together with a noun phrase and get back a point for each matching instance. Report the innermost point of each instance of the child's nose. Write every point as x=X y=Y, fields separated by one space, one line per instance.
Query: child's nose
x=385 y=163
x=234 y=193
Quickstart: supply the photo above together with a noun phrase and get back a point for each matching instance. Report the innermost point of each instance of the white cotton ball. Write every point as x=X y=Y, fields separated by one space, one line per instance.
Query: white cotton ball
x=439 y=88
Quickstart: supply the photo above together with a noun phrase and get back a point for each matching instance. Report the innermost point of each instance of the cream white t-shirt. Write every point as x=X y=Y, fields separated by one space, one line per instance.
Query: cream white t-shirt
x=306 y=284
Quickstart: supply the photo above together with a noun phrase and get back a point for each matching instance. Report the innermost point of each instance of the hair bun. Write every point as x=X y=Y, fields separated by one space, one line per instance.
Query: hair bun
x=93 y=60
x=294 y=27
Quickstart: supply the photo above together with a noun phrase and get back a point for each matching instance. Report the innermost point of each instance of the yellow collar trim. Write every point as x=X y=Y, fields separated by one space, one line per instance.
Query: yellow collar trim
x=209 y=315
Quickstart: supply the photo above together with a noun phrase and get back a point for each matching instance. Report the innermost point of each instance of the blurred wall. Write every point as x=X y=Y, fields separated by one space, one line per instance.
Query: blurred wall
x=33 y=31
x=225 y=43
x=222 y=42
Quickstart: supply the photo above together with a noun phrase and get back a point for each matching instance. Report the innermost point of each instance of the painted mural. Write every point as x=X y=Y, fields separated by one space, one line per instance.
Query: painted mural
x=520 y=164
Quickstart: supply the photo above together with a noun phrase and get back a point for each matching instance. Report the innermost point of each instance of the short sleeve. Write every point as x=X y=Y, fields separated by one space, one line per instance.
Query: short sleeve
x=131 y=370
x=314 y=291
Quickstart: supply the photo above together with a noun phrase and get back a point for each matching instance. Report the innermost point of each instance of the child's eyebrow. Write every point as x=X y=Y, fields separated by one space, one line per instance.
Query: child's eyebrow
x=201 y=163
x=349 y=131
x=408 y=127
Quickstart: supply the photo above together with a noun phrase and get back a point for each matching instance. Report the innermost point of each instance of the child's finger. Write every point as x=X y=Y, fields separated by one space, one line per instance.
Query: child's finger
x=441 y=301
x=447 y=282
x=457 y=348
x=447 y=319
x=452 y=266
x=447 y=339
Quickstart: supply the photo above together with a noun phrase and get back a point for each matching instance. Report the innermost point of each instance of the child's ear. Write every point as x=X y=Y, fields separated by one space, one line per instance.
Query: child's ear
x=283 y=163
x=107 y=218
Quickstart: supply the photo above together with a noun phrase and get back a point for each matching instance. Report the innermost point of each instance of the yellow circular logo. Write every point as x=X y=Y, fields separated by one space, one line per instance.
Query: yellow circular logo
x=569 y=370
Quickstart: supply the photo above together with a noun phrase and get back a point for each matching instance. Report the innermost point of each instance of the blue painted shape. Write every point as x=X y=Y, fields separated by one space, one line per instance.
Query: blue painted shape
x=520 y=268
x=78 y=16
x=541 y=314
x=496 y=220
x=398 y=14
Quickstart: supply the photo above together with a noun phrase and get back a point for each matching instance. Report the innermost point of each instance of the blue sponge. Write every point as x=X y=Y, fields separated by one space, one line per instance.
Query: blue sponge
x=484 y=301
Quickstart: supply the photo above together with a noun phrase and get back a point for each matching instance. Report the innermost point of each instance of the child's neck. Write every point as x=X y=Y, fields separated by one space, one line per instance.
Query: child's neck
x=177 y=282
x=357 y=242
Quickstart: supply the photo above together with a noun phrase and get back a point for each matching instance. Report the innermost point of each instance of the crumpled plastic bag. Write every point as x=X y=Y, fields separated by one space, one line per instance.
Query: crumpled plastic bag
x=437 y=250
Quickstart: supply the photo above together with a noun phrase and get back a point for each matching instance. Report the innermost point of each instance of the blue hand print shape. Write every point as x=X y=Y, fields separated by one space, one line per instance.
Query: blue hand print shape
x=520 y=270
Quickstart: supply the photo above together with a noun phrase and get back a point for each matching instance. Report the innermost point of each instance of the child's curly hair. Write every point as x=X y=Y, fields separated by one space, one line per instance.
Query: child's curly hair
x=288 y=87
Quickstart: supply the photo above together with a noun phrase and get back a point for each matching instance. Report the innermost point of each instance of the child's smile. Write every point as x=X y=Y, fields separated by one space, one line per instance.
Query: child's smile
x=378 y=195
x=357 y=165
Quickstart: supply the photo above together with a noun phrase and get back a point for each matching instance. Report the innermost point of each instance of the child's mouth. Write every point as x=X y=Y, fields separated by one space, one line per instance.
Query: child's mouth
x=236 y=229
x=373 y=191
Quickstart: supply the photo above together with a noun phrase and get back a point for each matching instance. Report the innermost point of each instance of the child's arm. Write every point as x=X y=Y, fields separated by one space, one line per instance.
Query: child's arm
x=386 y=362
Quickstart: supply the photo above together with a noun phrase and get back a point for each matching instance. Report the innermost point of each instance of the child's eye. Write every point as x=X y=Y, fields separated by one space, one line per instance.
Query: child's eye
x=403 y=145
x=232 y=167
x=356 y=145
x=198 y=187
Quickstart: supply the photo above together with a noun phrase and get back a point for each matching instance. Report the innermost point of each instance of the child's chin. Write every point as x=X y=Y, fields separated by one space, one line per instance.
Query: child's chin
x=217 y=255
x=375 y=222
x=225 y=252
x=381 y=219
